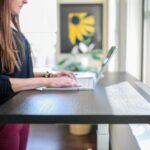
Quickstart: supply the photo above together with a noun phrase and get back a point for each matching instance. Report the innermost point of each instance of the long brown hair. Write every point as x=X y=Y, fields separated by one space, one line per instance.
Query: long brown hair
x=7 y=43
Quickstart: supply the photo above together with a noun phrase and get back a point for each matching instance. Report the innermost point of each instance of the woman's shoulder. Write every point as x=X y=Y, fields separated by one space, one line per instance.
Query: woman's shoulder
x=21 y=36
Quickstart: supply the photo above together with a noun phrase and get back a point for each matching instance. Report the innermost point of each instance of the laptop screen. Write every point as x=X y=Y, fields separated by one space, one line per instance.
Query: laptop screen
x=106 y=61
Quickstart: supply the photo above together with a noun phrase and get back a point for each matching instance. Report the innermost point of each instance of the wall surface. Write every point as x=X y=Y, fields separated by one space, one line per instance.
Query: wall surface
x=39 y=24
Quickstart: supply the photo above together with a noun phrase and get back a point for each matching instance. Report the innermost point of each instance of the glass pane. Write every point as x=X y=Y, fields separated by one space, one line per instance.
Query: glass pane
x=147 y=42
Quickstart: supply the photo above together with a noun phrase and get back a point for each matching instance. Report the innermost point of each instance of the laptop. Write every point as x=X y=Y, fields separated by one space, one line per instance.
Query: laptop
x=88 y=80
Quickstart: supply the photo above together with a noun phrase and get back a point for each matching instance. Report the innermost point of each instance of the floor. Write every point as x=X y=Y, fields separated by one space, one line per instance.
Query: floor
x=57 y=137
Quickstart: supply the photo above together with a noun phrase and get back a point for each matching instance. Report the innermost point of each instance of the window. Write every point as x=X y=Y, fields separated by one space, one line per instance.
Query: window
x=134 y=38
x=146 y=73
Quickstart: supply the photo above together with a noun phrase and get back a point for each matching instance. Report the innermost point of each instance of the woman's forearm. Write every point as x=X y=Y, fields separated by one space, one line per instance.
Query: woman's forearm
x=26 y=84
x=18 y=84
x=39 y=74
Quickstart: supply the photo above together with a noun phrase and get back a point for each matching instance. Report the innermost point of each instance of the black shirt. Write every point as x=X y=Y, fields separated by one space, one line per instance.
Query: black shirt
x=26 y=69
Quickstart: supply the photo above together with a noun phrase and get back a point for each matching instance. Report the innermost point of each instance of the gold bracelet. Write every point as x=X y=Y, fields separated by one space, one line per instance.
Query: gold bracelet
x=48 y=75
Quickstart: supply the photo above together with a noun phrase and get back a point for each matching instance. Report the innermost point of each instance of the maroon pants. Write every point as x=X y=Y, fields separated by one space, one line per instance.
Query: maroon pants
x=13 y=136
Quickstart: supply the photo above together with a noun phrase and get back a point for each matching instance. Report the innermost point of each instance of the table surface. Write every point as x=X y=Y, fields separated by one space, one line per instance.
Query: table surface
x=65 y=107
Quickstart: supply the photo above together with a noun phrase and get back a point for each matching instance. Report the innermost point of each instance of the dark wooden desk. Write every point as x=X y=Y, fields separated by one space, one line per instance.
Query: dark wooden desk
x=67 y=107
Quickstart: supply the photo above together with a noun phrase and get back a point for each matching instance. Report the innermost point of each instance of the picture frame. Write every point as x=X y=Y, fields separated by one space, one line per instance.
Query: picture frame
x=94 y=7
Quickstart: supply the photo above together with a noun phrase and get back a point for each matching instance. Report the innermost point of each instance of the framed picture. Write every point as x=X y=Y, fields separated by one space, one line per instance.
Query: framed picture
x=81 y=24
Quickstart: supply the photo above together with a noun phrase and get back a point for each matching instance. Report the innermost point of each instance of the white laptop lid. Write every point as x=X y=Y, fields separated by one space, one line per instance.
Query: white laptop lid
x=105 y=63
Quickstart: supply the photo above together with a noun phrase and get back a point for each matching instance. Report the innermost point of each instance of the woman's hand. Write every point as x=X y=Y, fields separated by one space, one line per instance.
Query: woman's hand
x=58 y=82
x=65 y=74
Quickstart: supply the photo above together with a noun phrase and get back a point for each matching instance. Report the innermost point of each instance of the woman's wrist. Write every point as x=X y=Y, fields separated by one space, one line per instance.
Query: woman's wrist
x=44 y=82
x=19 y=84
x=48 y=75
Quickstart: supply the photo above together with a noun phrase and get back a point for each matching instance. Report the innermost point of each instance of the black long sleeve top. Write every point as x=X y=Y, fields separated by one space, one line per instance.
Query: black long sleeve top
x=26 y=70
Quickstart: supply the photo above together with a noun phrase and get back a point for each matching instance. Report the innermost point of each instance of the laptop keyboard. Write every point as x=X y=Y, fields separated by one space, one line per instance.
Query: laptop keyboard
x=86 y=82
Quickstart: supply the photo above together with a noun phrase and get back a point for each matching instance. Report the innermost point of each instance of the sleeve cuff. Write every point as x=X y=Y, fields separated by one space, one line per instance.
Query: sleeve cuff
x=5 y=85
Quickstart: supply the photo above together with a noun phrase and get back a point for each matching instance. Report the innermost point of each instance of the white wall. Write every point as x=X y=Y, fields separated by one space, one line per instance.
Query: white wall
x=39 y=16
x=39 y=24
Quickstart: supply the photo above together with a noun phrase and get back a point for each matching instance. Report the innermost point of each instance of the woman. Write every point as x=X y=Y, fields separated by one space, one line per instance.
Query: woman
x=16 y=72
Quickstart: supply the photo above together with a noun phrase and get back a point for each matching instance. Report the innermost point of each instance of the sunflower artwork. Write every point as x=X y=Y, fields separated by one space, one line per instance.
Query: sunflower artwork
x=81 y=31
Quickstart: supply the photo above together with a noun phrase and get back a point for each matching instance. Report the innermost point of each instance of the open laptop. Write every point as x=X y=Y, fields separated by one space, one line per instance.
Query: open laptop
x=88 y=80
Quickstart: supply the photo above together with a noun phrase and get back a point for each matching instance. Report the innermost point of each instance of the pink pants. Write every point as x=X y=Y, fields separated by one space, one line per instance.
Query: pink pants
x=13 y=136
